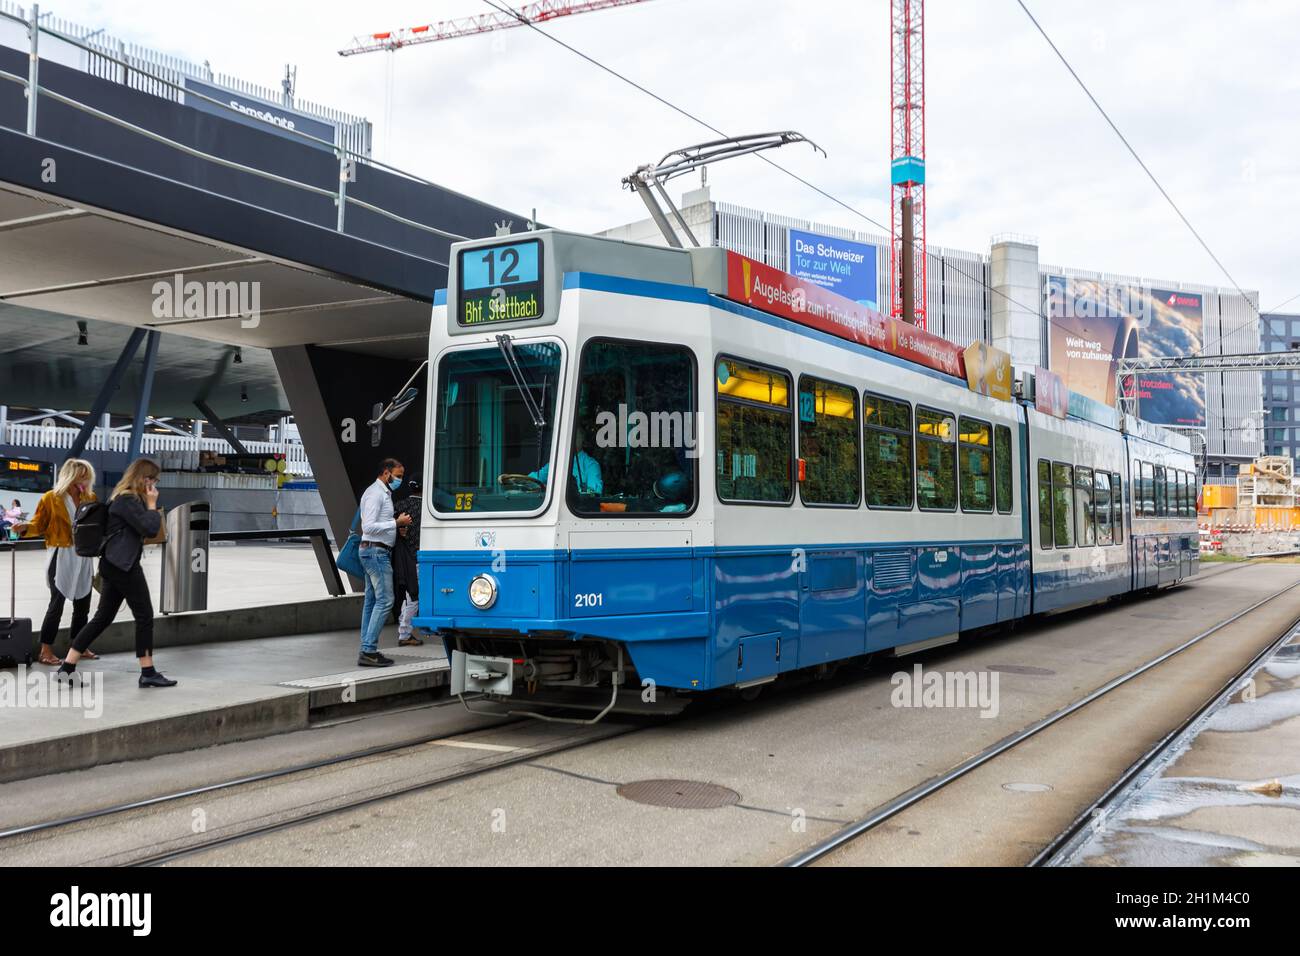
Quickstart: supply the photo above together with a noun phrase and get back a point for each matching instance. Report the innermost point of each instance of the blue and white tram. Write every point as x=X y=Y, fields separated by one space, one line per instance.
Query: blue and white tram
x=741 y=495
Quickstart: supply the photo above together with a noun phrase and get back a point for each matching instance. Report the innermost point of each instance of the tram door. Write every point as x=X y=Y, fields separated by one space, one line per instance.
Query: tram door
x=832 y=600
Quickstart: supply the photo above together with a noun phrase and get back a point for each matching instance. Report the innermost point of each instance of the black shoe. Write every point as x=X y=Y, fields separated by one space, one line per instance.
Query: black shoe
x=374 y=659
x=156 y=680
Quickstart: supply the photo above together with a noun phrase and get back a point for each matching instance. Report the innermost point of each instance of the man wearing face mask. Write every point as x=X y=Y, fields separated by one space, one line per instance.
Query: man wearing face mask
x=378 y=535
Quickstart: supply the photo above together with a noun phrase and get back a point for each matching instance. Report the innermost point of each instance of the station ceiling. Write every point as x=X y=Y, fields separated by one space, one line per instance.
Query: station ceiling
x=61 y=262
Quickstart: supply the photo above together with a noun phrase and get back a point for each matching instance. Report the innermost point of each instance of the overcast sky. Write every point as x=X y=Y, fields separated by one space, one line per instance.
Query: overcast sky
x=1208 y=92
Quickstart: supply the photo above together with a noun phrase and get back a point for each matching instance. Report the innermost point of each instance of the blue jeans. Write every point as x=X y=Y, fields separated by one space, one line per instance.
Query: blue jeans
x=378 y=565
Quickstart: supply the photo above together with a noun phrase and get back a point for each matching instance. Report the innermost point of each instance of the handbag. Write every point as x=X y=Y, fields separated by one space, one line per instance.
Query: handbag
x=349 y=559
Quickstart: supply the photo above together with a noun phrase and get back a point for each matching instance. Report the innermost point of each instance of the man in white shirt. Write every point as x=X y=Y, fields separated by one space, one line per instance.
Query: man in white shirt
x=378 y=535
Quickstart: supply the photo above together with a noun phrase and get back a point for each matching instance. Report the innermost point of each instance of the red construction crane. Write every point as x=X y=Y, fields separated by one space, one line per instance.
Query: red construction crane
x=907 y=167
x=538 y=12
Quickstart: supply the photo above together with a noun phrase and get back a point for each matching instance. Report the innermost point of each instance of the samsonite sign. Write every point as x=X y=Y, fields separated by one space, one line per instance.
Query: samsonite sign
x=252 y=111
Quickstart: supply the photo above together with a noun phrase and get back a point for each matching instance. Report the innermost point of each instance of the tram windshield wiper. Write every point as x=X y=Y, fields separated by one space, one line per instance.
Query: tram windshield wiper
x=507 y=347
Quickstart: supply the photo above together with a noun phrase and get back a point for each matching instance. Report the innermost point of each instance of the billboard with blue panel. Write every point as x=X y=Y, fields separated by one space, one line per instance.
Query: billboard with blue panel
x=845 y=267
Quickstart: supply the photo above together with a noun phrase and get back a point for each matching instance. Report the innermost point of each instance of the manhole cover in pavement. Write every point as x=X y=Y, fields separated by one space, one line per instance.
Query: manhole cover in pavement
x=679 y=794
x=1020 y=669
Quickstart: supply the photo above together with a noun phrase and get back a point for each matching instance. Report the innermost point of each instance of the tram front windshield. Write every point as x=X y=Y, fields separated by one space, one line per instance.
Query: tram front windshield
x=492 y=442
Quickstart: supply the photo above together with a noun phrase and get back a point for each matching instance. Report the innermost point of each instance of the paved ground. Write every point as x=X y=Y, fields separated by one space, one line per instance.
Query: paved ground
x=1230 y=797
x=220 y=683
x=247 y=574
x=802 y=761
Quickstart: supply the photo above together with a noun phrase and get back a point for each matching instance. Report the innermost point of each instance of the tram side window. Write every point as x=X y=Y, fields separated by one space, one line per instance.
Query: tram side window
x=1178 y=504
x=1044 y=504
x=1146 y=491
x=755 y=439
x=1162 y=492
x=1002 y=462
x=1063 y=505
x=634 y=430
x=936 y=460
x=1087 y=532
x=828 y=443
x=1101 y=502
x=975 y=456
x=1117 y=506
x=1189 y=498
x=887 y=451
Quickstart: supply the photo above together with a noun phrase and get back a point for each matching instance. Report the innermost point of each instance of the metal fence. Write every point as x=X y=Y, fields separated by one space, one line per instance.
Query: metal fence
x=171 y=451
x=337 y=190
x=163 y=75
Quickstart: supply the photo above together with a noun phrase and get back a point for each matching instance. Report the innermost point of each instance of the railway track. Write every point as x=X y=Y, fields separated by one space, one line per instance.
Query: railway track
x=128 y=814
x=1066 y=841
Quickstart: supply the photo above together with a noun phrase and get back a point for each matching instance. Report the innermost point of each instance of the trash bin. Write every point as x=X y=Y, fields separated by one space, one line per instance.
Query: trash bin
x=185 y=558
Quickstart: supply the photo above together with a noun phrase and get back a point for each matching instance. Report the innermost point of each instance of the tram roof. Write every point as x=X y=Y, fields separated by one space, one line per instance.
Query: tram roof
x=738 y=280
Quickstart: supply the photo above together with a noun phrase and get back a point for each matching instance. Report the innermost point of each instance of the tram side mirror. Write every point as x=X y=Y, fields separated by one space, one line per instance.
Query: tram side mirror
x=402 y=404
x=377 y=424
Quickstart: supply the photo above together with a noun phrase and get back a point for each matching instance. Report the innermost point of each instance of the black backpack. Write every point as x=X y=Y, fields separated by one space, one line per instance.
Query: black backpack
x=90 y=529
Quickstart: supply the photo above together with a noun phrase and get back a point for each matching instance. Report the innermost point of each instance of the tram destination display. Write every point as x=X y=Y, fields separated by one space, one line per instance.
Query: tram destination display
x=501 y=283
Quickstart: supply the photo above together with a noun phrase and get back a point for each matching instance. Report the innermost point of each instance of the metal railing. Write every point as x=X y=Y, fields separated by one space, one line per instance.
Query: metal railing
x=105 y=56
x=153 y=445
x=347 y=157
x=320 y=545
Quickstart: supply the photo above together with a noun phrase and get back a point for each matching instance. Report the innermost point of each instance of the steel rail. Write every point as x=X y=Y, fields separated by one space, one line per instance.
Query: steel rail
x=920 y=792
x=1069 y=840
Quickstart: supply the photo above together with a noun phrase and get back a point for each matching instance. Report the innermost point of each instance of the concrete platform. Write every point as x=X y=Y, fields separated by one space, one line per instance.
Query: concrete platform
x=228 y=691
x=1229 y=796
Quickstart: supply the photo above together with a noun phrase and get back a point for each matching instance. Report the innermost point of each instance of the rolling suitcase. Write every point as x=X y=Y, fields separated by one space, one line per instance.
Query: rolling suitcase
x=16 y=632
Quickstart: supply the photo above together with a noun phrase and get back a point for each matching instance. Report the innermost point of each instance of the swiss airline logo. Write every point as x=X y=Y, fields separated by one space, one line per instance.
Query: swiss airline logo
x=1176 y=299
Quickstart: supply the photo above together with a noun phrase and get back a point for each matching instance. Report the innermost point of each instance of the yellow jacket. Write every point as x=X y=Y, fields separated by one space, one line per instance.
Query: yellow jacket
x=51 y=521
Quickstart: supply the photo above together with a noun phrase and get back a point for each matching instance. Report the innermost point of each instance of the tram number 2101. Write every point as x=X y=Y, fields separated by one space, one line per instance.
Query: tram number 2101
x=592 y=599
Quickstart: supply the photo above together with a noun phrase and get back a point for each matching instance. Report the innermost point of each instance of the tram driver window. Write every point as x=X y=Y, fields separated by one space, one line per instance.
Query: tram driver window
x=936 y=460
x=634 y=449
x=974 y=452
x=828 y=443
x=755 y=440
x=487 y=439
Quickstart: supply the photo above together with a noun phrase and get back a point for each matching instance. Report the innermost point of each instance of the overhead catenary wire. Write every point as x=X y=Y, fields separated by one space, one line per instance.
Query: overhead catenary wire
x=1150 y=175
x=502 y=7
x=505 y=8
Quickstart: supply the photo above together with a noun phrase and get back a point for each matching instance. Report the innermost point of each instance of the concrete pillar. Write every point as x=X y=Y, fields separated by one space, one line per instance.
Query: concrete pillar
x=1016 y=302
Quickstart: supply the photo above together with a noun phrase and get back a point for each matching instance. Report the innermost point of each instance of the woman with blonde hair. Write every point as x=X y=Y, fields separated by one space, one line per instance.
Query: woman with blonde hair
x=133 y=516
x=69 y=574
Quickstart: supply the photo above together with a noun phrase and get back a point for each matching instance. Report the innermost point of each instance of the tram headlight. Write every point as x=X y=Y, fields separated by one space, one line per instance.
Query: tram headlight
x=483 y=591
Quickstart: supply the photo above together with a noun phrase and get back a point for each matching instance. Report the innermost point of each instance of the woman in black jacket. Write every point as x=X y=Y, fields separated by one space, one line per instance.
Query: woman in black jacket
x=133 y=515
